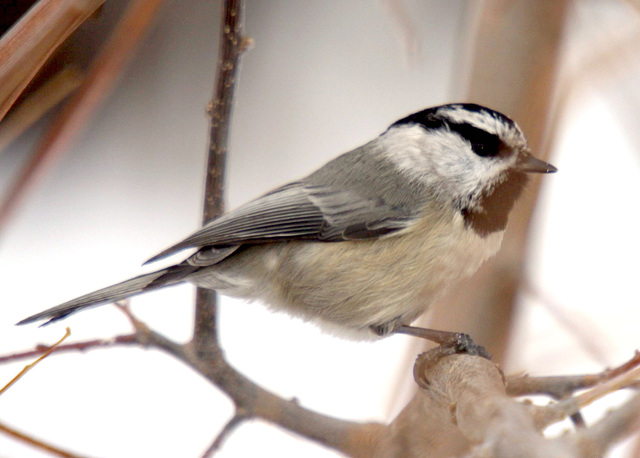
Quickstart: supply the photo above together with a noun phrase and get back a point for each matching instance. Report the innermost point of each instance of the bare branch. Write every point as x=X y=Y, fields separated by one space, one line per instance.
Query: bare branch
x=463 y=408
x=555 y=412
x=352 y=438
x=232 y=45
x=559 y=387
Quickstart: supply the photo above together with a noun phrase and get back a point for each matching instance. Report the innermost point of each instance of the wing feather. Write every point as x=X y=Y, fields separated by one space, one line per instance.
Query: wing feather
x=293 y=212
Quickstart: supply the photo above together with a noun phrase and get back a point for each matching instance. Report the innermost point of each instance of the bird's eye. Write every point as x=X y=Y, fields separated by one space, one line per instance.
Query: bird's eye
x=488 y=148
x=483 y=143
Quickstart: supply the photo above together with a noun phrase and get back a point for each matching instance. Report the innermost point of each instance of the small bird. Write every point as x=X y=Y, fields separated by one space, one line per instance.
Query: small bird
x=365 y=244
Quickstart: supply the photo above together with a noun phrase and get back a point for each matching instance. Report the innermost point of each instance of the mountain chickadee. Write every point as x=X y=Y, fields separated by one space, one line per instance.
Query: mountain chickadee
x=370 y=240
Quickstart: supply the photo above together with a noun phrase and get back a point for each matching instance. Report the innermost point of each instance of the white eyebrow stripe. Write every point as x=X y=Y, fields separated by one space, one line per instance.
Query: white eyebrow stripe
x=510 y=133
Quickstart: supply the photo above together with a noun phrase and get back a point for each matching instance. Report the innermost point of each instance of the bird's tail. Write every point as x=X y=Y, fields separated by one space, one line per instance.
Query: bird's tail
x=142 y=284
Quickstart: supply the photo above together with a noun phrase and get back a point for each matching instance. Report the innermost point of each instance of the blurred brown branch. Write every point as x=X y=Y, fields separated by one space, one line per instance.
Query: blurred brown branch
x=586 y=333
x=512 y=66
x=52 y=92
x=403 y=23
x=103 y=73
x=30 y=42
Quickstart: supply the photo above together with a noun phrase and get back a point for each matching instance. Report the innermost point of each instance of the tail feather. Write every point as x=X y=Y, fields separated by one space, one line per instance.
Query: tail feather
x=143 y=283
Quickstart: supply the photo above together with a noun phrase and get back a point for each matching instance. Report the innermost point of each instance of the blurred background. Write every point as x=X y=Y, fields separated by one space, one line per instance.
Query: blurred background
x=87 y=195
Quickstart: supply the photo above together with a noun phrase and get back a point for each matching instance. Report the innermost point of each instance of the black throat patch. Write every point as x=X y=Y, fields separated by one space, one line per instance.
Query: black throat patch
x=491 y=212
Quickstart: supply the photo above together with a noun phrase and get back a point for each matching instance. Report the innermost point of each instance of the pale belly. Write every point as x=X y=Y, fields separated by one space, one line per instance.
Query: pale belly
x=356 y=284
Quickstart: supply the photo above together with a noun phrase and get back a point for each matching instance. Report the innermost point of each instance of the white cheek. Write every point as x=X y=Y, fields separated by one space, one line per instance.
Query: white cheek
x=405 y=147
x=440 y=159
x=427 y=156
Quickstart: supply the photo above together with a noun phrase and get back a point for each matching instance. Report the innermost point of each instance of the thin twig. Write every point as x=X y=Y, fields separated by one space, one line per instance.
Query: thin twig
x=552 y=413
x=127 y=339
x=232 y=44
x=30 y=366
x=240 y=416
x=100 y=79
x=560 y=386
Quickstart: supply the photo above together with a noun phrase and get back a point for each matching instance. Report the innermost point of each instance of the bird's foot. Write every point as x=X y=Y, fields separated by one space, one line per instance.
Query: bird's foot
x=457 y=341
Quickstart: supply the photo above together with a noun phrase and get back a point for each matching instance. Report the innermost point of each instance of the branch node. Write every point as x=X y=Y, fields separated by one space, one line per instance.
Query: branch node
x=142 y=331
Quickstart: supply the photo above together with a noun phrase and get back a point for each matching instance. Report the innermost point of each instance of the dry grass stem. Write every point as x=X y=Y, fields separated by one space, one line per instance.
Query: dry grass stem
x=36 y=443
x=30 y=366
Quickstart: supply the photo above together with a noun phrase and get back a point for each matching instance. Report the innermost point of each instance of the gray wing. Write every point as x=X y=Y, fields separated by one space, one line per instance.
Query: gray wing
x=296 y=211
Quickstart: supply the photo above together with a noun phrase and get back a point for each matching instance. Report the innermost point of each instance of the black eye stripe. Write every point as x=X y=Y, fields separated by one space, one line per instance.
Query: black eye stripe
x=482 y=142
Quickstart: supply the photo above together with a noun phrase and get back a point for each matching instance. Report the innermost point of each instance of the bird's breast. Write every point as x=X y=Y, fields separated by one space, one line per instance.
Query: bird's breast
x=358 y=284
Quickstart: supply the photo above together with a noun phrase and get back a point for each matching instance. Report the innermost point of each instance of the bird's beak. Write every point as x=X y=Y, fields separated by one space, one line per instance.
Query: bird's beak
x=529 y=164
